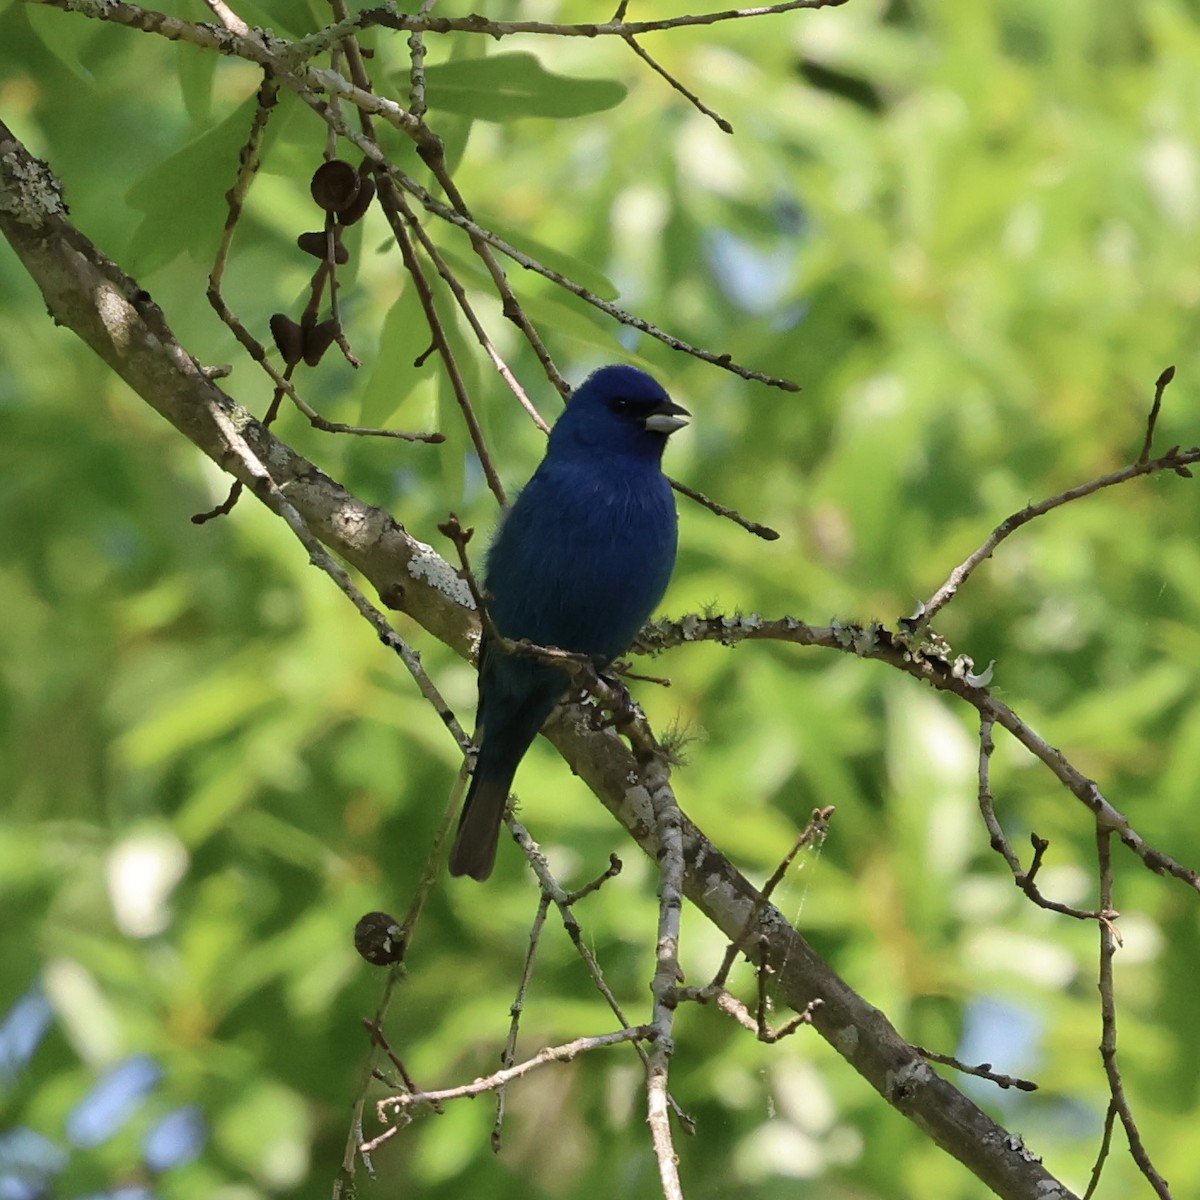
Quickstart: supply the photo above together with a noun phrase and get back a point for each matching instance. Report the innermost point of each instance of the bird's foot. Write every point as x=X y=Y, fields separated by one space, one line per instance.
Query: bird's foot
x=612 y=706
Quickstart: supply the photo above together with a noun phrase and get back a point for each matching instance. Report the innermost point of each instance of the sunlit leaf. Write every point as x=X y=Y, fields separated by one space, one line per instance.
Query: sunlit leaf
x=404 y=339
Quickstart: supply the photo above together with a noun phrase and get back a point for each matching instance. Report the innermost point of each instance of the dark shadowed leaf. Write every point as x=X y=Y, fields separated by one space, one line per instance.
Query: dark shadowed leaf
x=504 y=87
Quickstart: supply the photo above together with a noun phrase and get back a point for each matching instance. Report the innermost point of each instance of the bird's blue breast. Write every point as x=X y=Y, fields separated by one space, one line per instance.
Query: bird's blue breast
x=584 y=556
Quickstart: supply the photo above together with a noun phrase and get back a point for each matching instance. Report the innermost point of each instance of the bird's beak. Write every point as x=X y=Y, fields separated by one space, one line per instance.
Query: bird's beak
x=666 y=418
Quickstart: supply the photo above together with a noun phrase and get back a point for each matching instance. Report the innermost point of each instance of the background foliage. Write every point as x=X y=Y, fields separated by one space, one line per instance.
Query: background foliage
x=971 y=233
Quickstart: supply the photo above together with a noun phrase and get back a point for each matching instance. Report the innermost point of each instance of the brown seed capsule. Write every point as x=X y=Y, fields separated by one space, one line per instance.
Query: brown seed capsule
x=334 y=185
x=356 y=210
x=317 y=340
x=314 y=243
x=378 y=938
x=289 y=339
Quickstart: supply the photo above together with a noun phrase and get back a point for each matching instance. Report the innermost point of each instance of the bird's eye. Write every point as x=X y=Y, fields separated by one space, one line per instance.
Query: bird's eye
x=619 y=404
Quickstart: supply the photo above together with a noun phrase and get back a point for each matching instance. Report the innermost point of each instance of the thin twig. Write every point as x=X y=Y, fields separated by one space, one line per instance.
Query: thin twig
x=269 y=492
x=1110 y=1120
x=667 y=974
x=1024 y=879
x=258 y=44
x=763 y=531
x=416 y=71
x=815 y=831
x=655 y=778
x=1108 y=1016
x=435 y=256
x=434 y=156
x=355 y=1142
x=685 y=92
x=479 y=234
x=565 y=901
x=716 y=990
x=982 y=1071
x=380 y=1039
x=249 y=162
x=388 y=200
x=1160 y=386
x=478 y=1087
x=509 y=1054
x=1173 y=460
x=388 y=17
x=610 y=872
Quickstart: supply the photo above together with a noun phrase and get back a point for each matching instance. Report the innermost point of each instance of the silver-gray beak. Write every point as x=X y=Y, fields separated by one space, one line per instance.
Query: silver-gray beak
x=666 y=418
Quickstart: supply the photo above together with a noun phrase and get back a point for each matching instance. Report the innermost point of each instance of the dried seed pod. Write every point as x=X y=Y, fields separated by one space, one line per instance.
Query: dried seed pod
x=379 y=939
x=356 y=211
x=289 y=339
x=334 y=185
x=314 y=243
x=318 y=339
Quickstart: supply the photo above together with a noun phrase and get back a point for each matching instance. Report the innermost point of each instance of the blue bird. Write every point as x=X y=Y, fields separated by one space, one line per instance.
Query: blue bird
x=579 y=562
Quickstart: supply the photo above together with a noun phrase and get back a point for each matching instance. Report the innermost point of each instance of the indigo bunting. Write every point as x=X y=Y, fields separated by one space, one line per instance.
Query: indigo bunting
x=579 y=562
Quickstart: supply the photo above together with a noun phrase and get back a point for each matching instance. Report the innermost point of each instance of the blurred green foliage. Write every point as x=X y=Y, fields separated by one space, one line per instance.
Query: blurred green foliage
x=972 y=233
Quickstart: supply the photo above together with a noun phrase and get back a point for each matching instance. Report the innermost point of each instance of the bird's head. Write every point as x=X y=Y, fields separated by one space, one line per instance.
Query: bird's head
x=617 y=410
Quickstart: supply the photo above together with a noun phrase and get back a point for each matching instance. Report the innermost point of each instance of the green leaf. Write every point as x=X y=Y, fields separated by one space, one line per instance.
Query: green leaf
x=504 y=87
x=183 y=197
x=65 y=36
x=405 y=336
x=196 y=72
x=467 y=355
x=200 y=173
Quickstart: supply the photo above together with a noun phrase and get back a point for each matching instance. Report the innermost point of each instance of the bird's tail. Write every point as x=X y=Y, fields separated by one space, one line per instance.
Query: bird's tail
x=474 y=851
x=523 y=694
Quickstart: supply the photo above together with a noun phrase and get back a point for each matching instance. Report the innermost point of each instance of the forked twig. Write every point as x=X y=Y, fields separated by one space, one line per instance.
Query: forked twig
x=654 y=65
x=508 y=1055
x=566 y=1052
x=565 y=902
x=1174 y=460
x=1024 y=879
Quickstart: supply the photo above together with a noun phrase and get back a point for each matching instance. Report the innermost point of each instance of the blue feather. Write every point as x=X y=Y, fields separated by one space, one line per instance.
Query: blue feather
x=579 y=562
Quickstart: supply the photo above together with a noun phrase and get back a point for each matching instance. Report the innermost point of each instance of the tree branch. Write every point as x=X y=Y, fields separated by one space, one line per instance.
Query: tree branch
x=927 y=663
x=108 y=310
